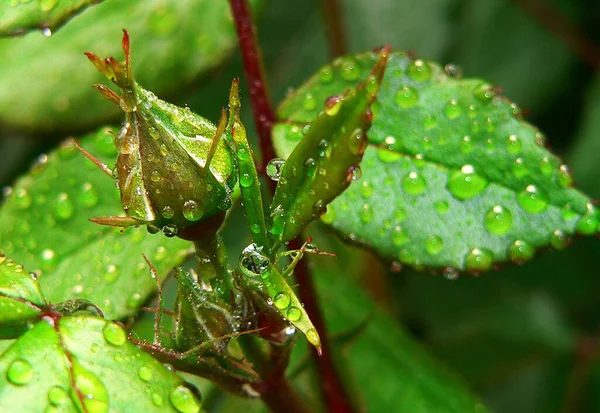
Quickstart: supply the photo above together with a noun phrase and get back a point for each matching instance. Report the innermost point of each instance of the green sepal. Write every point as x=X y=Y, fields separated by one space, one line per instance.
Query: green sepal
x=162 y=169
x=326 y=160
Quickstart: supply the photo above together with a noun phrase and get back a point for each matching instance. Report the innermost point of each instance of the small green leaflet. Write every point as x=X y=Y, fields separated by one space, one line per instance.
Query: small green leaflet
x=453 y=178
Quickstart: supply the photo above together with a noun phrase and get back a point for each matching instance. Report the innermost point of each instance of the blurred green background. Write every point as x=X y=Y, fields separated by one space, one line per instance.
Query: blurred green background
x=525 y=338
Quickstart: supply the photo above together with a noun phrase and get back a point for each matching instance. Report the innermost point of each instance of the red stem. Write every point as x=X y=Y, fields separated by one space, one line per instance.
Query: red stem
x=336 y=399
x=264 y=116
x=334 y=24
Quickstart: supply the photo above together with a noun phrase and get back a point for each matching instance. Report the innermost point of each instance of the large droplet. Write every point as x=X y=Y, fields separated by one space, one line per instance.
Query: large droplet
x=532 y=199
x=479 y=259
x=145 y=373
x=111 y=273
x=414 y=184
x=588 y=223
x=22 y=198
x=19 y=372
x=183 y=399
x=274 y=168
x=57 y=395
x=419 y=71
x=91 y=391
x=63 y=207
x=465 y=184
x=309 y=103
x=350 y=70
x=357 y=142
x=407 y=97
x=521 y=251
x=452 y=110
x=282 y=300
x=484 y=92
x=326 y=75
x=293 y=314
x=353 y=173
x=559 y=240
x=114 y=334
x=434 y=244
x=253 y=260
x=498 y=220
x=192 y=211
x=366 y=214
x=564 y=178
x=399 y=236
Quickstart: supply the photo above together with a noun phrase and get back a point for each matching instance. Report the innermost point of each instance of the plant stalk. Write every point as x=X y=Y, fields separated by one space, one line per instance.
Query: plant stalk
x=334 y=24
x=334 y=394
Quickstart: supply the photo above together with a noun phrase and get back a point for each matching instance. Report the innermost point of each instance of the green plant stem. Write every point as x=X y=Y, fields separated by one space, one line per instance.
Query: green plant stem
x=212 y=259
x=334 y=23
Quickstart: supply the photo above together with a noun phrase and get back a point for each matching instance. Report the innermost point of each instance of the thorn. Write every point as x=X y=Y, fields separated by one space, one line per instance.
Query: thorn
x=117 y=221
x=92 y=158
x=215 y=142
x=108 y=93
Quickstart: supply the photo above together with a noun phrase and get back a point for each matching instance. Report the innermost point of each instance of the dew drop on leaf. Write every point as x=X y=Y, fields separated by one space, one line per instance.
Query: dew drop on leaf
x=419 y=71
x=407 y=97
x=293 y=314
x=274 y=168
x=498 y=220
x=366 y=214
x=22 y=198
x=441 y=206
x=57 y=395
x=326 y=75
x=183 y=400
x=145 y=373
x=532 y=199
x=484 y=92
x=521 y=251
x=114 y=334
x=157 y=399
x=94 y=394
x=465 y=184
x=588 y=223
x=192 y=211
x=20 y=372
x=413 y=183
x=479 y=259
x=350 y=70
x=282 y=300
x=399 y=236
x=559 y=240
x=63 y=207
x=452 y=110
x=434 y=244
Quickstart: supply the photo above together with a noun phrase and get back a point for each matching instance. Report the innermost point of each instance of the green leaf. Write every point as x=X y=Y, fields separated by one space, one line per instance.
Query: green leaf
x=44 y=224
x=453 y=176
x=21 y=299
x=174 y=43
x=21 y=16
x=325 y=161
x=86 y=362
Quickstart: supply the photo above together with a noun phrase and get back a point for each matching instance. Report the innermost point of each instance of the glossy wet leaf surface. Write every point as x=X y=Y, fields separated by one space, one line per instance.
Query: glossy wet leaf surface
x=20 y=16
x=453 y=177
x=58 y=78
x=21 y=298
x=87 y=362
x=44 y=224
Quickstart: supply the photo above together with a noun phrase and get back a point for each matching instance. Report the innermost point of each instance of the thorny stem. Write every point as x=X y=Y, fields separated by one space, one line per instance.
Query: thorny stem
x=334 y=24
x=264 y=117
x=577 y=41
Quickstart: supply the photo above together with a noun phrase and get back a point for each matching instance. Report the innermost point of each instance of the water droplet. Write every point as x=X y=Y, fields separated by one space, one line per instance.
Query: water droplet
x=114 y=334
x=282 y=300
x=46 y=31
x=588 y=223
x=414 y=184
x=388 y=156
x=170 y=230
x=167 y=212
x=484 y=92
x=466 y=145
x=274 y=168
x=88 y=196
x=357 y=142
x=366 y=189
x=441 y=206
x=559 y=240
x=453 y=71
x=399 y=236
x=521 y=251
x=22 y=198
x=451 y=273
x=19 y=372
x=519 y=169
x=434 y=244
x=157 y=399
x=326 y=74
x=514 y=145
x=293 y=314
x=309 y=103
x=63 y=207
x=48 y=259
x=564 y=177
x=452 y=110
x=465 y=184
x=313 y=337
x=134 y=300
x=350 y=70
x=192 y=211
x=533 y=200
x=95 y=396
x=479 y=259
x=111 y=274
x=419 y=71
x=333 y=105
x=145 y=373
x=354 y=173
x=183 y=400
x=366 y=214
x=48 y=5
x=407 y=97
x=406 y=257
x=253 y=260
x=498 y=220
x=57 y=395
